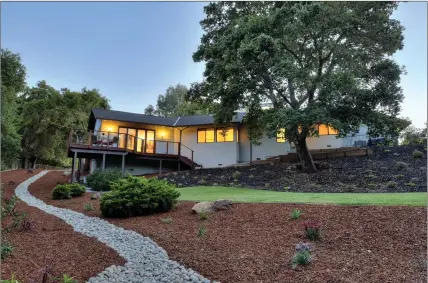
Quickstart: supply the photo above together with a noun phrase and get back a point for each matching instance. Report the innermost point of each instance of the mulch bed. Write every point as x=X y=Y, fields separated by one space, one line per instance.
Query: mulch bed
x=51 y=240
x=256 y=242
x=380 y=172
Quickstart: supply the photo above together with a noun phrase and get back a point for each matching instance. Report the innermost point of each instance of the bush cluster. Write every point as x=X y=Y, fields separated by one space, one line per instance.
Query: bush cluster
x=67 y=191
x=133 y=196
x=101 y=180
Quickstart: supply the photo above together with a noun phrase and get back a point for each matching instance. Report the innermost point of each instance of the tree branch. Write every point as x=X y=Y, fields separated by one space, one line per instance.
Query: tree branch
x=292 y=93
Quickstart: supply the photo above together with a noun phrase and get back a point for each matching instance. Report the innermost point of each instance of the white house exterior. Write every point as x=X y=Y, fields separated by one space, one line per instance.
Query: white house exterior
x=157 y=136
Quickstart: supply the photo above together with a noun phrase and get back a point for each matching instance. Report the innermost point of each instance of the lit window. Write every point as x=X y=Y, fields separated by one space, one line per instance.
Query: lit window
x=332 y=131
x=280 y=135
x=205 y=135
x=225 y=135
x=323 y=130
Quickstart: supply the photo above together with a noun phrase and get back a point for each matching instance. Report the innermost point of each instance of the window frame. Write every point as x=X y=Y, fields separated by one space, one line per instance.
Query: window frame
x=205 y=130
x=282 y=138
x=227 y=128
x=328 y=130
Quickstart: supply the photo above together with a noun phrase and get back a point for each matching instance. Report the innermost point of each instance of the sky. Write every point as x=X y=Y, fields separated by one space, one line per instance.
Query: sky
x=134 y=51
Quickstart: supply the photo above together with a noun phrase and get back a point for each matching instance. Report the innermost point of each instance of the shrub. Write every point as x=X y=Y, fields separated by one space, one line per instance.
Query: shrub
x=251 y=176
x=88 y=206
x=401 y=165
x=349 y=188
x=203 y=215
x=6 y=249
x=301 y=258
x=202 y=182
x=417 y=154
x=391 y=184
x=135 y=196
x=410 y=184
x=236 y=174
x=167 y=220
x=399 y=176
x=295 y=214
x=312 y=229
x=67 y=191
x=372 y=185
x=202 y=230
x=100 y=180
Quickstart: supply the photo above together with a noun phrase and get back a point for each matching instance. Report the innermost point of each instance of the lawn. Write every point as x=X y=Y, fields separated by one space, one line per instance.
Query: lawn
x=249 y=195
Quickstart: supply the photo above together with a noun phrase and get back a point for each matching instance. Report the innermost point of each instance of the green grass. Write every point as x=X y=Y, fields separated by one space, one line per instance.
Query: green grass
x=249 y=195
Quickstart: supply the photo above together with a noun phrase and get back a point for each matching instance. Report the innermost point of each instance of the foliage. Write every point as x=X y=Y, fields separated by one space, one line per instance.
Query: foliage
x=65 y=279
x=88 y=207
x=391 y=184
x=202 y=230
x=316 y=62
x=312 y=229
x=11 y=280
x=399 y=176
x=410 y=184
x=236 y=174
x=13 y=74
x=67 y=191
x=27 y=225
x=101 y=180
x=6 y=249
x=203 y=215
x=135 y=196
x=417 y=154
x=413 y=135
x=295 y=214
x=167 y=220
x=401 y=165
x=8 y=210
x=301 y=258
x=150 y=110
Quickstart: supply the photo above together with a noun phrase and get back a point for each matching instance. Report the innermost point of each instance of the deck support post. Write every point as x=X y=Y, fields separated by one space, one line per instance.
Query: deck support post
x=104 y=161
x=160 y=166
x=73 y=168
x=251 y=153
x=179 y=165
x=123 y=165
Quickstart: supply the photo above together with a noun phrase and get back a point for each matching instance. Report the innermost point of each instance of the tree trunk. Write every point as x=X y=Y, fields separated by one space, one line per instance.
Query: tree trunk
x=305 y=156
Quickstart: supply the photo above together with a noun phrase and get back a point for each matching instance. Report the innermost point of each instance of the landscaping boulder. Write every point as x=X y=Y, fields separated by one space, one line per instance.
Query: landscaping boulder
x=222 y=204
x=204 y=206
x=96 y=196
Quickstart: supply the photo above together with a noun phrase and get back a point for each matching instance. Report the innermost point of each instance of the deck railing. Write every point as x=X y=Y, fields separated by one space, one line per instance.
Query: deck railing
x=127 y=142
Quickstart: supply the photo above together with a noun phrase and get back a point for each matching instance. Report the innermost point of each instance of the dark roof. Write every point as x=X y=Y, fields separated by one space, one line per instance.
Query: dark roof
x=183 y=121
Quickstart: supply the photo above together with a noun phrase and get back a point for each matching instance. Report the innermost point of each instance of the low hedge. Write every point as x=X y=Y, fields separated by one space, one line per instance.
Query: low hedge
x=135 y=196
x=100 y=180
x=67 y=191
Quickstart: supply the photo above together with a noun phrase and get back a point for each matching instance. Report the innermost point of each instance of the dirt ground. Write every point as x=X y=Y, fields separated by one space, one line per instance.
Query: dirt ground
x=256 y=242
x=51 y=242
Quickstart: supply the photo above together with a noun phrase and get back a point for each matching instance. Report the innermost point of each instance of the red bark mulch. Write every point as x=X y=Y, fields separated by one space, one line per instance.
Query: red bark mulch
x=256 y=242
x=51 y=240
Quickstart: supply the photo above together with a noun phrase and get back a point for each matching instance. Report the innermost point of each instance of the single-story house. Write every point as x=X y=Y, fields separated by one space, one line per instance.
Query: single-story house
x=144 y=144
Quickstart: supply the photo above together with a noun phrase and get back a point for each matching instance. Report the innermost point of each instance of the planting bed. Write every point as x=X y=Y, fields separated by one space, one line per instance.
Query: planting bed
x=51 y=240
x=256 y=242
x=380 y=172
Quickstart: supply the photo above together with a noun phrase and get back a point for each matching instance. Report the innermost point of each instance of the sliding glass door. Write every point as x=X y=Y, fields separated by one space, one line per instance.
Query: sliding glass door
x=139 y=140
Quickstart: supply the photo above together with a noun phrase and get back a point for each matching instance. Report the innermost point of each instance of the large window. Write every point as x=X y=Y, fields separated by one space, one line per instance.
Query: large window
x=280 y=135
x=205 y=135
x=224 y=135
x=324 y=130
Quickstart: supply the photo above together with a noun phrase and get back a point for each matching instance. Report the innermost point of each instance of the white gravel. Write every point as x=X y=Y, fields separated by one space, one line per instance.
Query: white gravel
x=146 y=261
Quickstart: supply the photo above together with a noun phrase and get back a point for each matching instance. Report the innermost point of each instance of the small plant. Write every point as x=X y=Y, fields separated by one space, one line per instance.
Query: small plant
x=202 y=182
x=6 y=249
x=203 y=215
x=251 y=176
x=372 y=185
x=236 y=174
x=401 y=165
x=88 y=206
x=179 y=185
x=267 y=185
x=349 y=188
x=295 y=214
x=410 y=184
x=11 y=280
x=253 y=169
x=417 y=154
x=167 y=220
x=391 y=184
x=301 y=258
x=195 y=177
x=202 y=230
x=215 y=184
x=399 y=176
x=235 y=181
x=371 y=176
x=27 y=225
x=386 y=150
x=65 y=279
x=312 y=229
x=286 y=188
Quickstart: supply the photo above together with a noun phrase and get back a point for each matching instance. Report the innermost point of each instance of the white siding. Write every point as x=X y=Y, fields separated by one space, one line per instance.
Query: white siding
x=209 y=154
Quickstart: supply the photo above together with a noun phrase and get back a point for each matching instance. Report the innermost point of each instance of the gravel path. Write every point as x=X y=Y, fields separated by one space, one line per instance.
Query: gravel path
x=146 y=261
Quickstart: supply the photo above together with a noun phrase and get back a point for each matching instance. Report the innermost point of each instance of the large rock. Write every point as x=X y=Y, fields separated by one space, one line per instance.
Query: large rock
x=222 y=204
x=204 y=206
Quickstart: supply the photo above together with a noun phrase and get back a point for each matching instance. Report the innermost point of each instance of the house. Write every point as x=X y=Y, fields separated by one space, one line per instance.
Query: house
x=144 y=144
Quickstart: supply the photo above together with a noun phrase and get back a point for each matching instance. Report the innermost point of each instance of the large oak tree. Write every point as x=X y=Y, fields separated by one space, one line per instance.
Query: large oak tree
x=316 y=62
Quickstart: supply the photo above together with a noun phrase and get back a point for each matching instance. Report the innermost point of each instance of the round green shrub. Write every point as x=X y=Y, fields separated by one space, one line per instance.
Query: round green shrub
x=135 y=196
x=100 y=180
x=61 y=192
x=76 y=190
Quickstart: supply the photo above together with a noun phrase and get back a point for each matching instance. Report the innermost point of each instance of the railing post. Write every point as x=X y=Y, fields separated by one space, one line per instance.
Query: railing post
x=135 y=143
x=179 y=149
x=167 y=146
x=192 y=155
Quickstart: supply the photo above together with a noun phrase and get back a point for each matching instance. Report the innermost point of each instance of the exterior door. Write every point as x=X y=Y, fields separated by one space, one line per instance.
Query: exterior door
x=132 y=133
x=150 y=141
x=122 y=137
x=141 y=141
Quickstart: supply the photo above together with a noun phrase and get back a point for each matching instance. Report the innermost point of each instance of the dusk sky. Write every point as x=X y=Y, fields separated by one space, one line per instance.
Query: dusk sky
x=133 y=51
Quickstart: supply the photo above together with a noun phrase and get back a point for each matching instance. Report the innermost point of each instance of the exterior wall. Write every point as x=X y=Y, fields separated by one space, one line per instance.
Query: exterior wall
x=269 y=147
x=209 y=154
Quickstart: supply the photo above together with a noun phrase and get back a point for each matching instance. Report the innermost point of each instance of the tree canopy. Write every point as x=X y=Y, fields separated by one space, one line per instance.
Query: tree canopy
x=316 y=62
